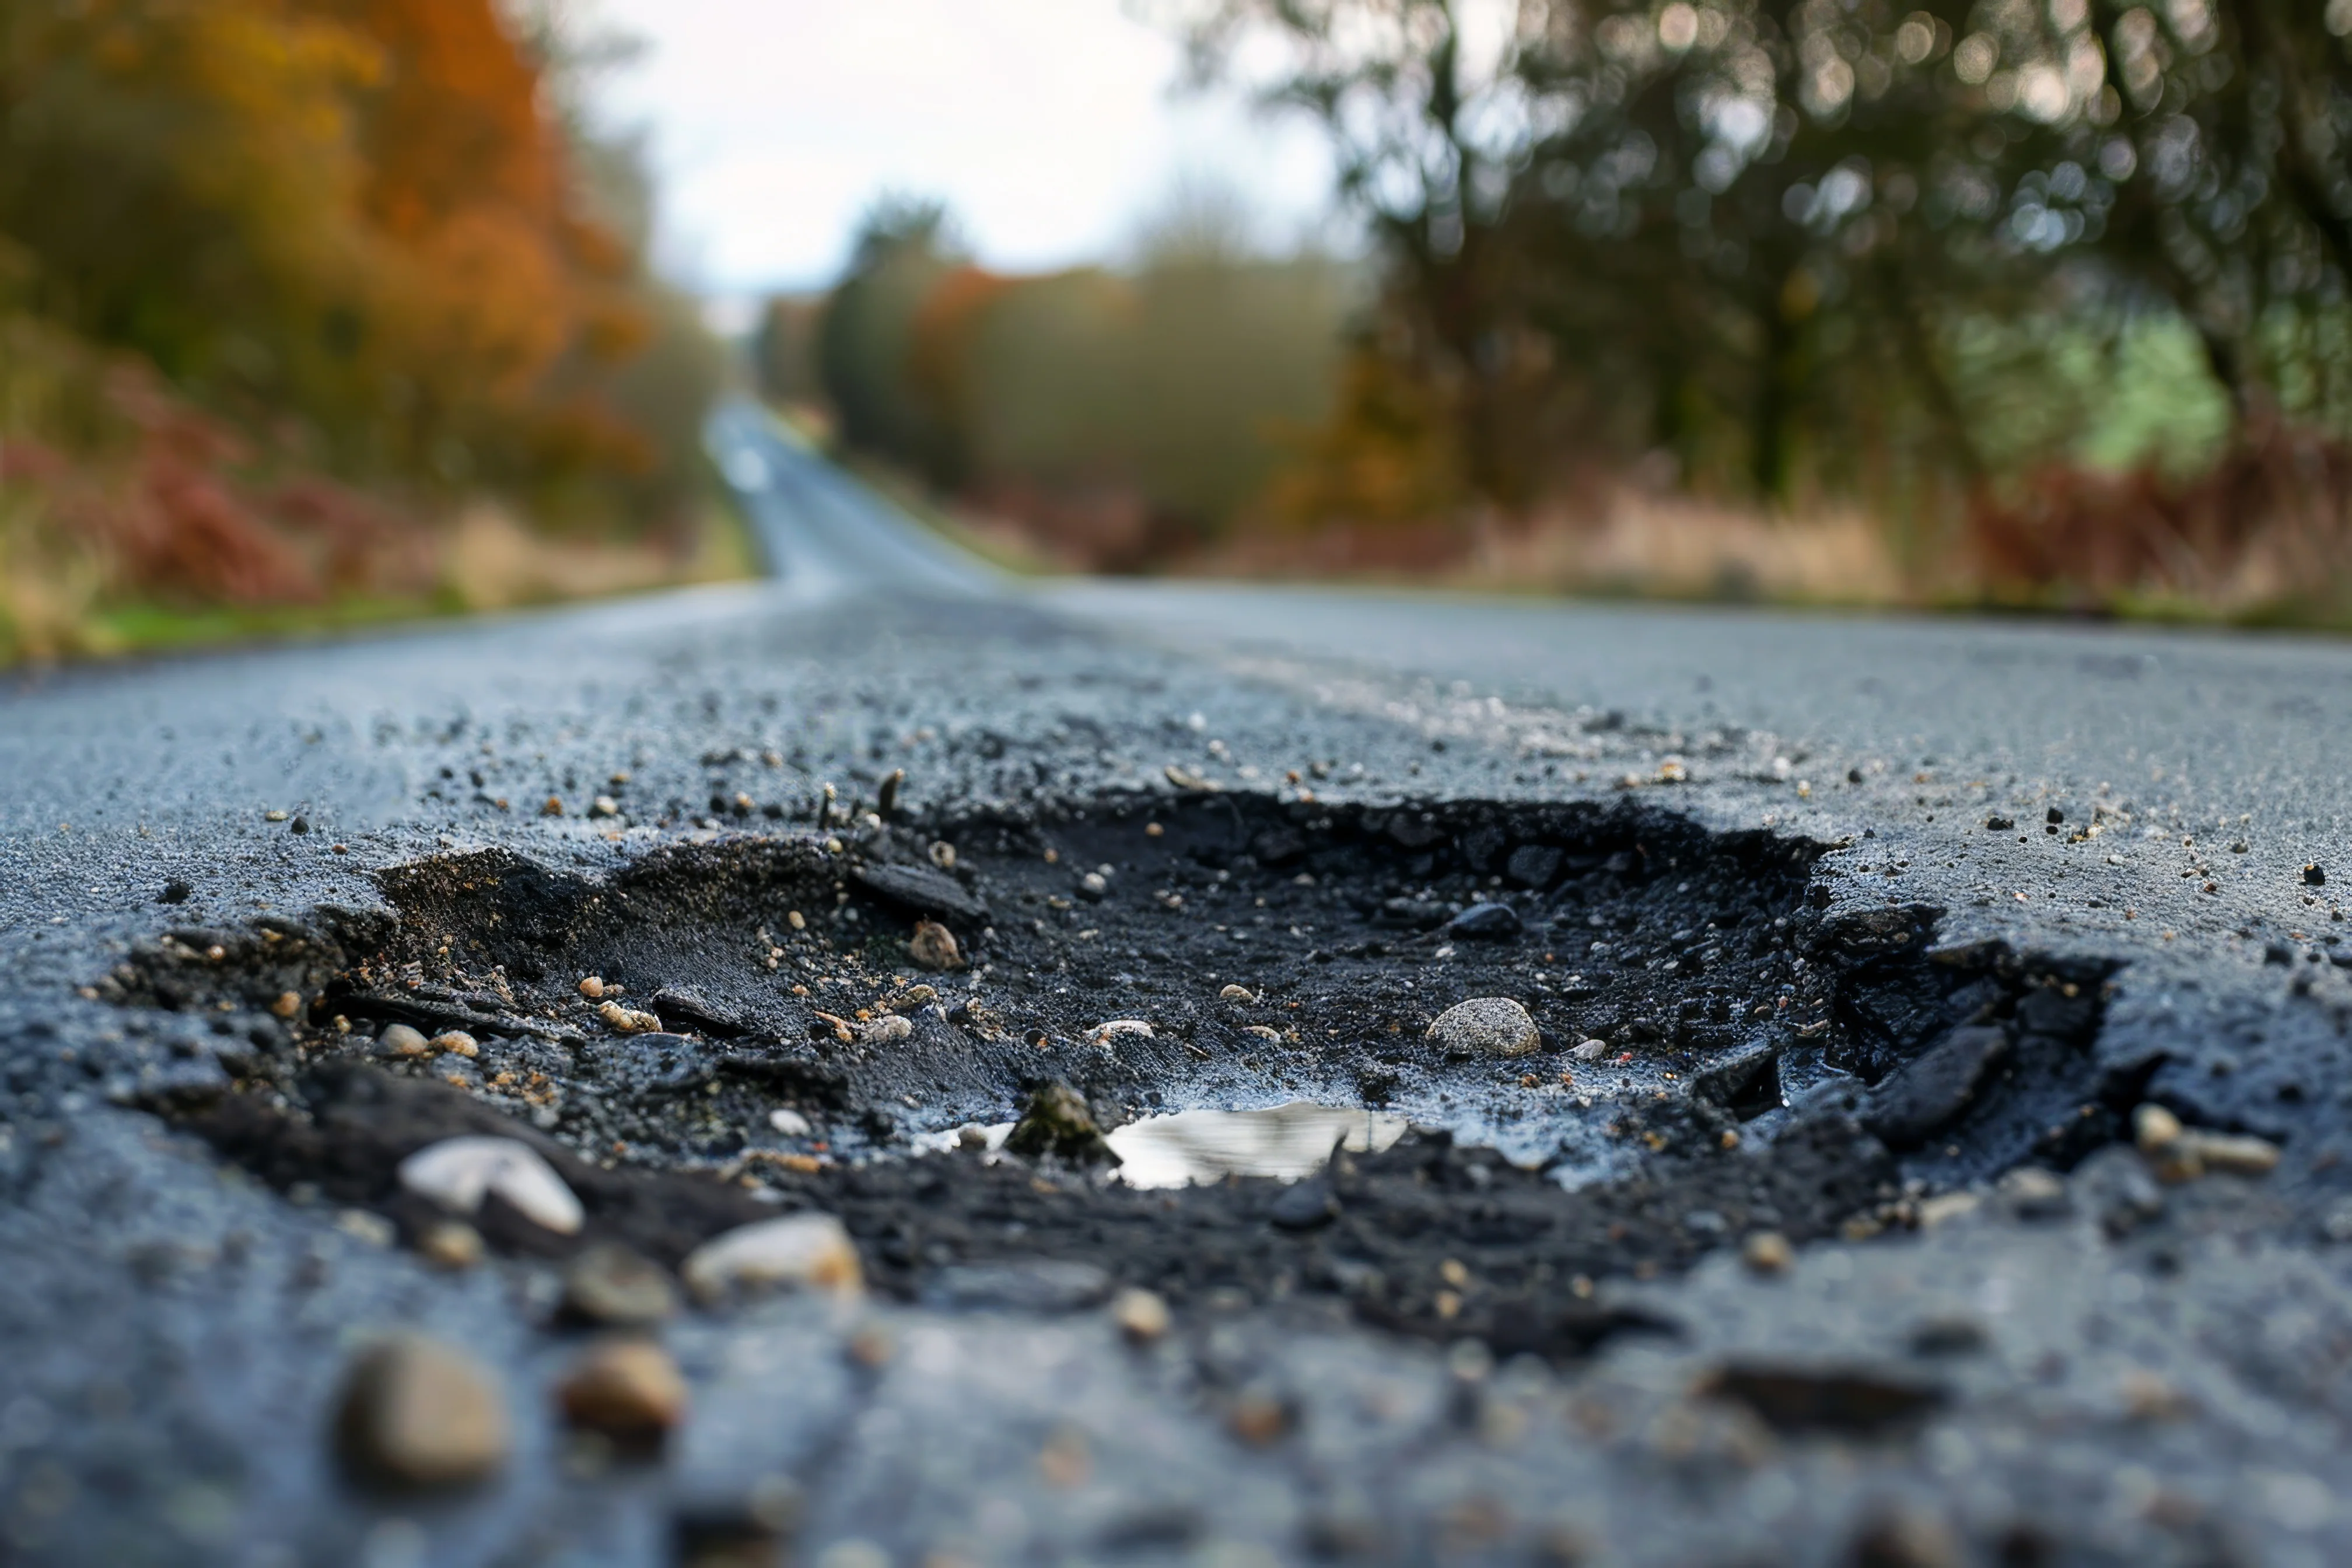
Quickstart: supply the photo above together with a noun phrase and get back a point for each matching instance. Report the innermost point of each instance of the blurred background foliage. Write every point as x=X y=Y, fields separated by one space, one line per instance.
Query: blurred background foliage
x=2032 y=301
x=300 y=300
x=1123 y=416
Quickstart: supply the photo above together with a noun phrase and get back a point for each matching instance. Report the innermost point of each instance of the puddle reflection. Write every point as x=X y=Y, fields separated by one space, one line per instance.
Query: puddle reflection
x=1288 y=1141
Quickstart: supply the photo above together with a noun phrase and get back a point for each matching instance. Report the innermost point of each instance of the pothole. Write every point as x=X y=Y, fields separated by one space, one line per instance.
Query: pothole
x=1234 y=987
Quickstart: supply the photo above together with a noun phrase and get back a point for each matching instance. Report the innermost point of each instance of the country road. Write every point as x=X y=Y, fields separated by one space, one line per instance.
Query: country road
x=1800 y=1221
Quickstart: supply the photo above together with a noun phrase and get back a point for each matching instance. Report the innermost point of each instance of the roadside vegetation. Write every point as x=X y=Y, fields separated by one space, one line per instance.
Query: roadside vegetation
x=322 y=310
x=2032 y=303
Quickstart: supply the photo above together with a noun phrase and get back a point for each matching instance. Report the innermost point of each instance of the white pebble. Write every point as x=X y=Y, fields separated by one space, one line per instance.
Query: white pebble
x=808 y=1250
x=1589 y=1050
x=399 y=1040
x=459 y=1173
x=791 y=1123
x=887 y=1029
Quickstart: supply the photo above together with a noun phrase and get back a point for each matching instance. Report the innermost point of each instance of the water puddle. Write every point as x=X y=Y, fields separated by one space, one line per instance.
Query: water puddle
x=1285 y=1142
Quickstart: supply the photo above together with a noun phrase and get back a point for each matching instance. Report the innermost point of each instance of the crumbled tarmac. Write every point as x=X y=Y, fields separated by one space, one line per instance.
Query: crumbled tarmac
x=1769 y=1069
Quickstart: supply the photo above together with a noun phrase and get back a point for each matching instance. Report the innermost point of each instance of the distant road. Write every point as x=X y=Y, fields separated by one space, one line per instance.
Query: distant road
x=820 y=530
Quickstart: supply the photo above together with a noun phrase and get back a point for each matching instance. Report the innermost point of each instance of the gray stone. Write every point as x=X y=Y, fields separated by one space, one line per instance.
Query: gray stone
x=1486 y=1026
x=611 y=1285
x=1485 y=922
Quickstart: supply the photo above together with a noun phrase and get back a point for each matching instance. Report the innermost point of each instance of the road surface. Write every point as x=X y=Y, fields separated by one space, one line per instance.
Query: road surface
x=2082 y=1367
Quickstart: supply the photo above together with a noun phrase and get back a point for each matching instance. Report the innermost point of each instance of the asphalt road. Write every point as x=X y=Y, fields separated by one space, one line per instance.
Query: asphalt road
x=2115 y=1373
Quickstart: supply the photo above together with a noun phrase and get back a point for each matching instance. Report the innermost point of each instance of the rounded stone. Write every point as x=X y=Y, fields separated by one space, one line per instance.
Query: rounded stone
x=416 y=1413
x=459 y=1173
x=625 y=1388
x=807 y=1250
x=1486 y=1026
x=610 y=1284
x=1142 y=1315
x=399 y=1040
x=1485 y=922
x=453 y=1245
x=933 y=947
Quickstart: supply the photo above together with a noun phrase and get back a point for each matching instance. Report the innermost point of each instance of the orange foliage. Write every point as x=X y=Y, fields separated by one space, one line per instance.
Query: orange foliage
x=356 y=212
x=2272 y=523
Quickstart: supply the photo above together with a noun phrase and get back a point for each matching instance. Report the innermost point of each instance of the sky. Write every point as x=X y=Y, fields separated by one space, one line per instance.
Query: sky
x=1052 y=128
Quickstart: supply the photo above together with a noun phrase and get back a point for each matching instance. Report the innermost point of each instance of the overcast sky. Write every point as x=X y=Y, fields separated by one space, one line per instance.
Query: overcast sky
x=1050 y=127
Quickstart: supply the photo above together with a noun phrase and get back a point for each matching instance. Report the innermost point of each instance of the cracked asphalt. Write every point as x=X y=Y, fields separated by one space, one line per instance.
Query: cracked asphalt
x=2092 y=1367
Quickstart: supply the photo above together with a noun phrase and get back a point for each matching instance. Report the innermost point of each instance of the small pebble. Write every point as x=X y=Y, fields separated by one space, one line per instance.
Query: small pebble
x=933 y=947
x=2234 y=1155
x=2034 y=1192
x=455 y=1041
x=273 y=816
x=1241 y=993
x=1768 y=1252
x=452 y=1243
x=1142 y=1315
x=809 y=1250
x=1258 y=1418
x=628 y=1020
x=791 y=1123
x=605 y=806
x=611 y=1285
x=289 y=1004
x=418 y=1413
x=943 y=855
x=625 y=1388
x=2154 y=1128
x=2315 y=876
x=794 y=919
x=1108 y=1027
x=1486 y=1026
x=887 y=1029
x=399 y=1040
x=1589 y=1050
x=1946 y=1207
x=552 y=806
x=592 y=987
x=1093 y=883
x=459 y=1173
x=2179 y=1154
x=1485 y=922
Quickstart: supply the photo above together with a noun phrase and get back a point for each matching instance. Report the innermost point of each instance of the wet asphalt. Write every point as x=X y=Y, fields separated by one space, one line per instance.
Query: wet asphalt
x=2119 y=1373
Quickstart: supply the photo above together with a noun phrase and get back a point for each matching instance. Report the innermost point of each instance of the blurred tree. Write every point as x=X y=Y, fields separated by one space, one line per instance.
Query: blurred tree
x=1772 y=235
x=783 y=350
x=866 y=338
x=360 y=227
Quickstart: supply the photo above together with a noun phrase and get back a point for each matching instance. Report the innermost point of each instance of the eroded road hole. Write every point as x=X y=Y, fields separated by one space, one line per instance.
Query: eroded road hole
x=854 y=1022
